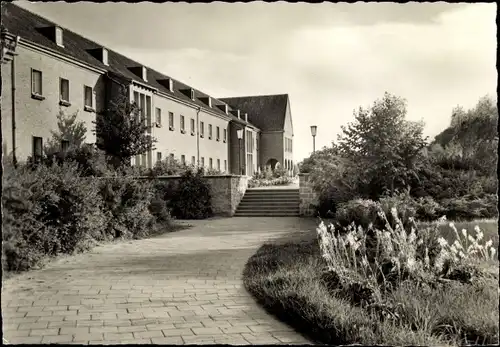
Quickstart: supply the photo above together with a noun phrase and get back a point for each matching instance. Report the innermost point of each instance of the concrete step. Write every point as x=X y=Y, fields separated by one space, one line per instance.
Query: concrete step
x=271 y=199
x=252 y=190
x=266 y=214
x=271 y=192
x=269 y=203
x=263 y=209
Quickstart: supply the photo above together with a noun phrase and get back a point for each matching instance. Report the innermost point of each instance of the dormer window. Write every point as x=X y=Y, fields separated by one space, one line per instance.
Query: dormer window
x=140 y=71
x=167 y=83
x=189 y=92
x=59 y=36
x=207 y=100
x=100 y=54
x=224 y=108
x=236 y=113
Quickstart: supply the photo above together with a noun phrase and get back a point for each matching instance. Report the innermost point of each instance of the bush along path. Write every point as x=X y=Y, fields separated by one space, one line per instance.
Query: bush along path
x=178 y=288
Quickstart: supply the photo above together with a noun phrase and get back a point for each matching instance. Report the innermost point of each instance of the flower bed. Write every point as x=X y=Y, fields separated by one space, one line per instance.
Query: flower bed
x=396 y=285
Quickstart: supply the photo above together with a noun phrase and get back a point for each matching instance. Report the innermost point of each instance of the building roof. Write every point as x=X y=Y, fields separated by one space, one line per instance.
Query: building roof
x=27 y=25
x=268 y=112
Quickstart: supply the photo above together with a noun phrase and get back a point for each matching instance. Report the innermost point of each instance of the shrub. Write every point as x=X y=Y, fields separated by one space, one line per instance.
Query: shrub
x=48 y=210
x=360 y=212
x=191 y=199
x=469 y=207
x=127 y=201
x=169 y=167
x=281 y=181
x=279 y=172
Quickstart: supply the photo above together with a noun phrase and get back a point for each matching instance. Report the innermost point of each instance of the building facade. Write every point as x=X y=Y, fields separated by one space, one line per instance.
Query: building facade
x=56 y=70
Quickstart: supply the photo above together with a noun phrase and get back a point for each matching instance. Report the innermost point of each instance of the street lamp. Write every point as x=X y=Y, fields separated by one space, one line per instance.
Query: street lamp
x=239 y=132
x=314 y=129
x=8 y=51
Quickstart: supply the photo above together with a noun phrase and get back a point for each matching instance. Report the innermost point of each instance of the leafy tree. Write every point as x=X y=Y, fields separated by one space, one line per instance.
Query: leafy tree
x=383 y=144
x=122 y=132
x=471 y=140
x=69 y=129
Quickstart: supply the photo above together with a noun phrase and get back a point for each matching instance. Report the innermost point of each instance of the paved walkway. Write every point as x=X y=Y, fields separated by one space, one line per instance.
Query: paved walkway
x=178 y=288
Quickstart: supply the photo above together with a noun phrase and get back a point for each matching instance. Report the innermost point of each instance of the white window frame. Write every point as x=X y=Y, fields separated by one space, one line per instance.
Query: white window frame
x=158 y=117
x=63 y=99
x=85 y=105
x=34 y=86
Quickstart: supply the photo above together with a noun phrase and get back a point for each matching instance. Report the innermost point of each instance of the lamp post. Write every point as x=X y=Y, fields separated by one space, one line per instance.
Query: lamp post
x=239 y=132
x=314 y=129
x=8 y=51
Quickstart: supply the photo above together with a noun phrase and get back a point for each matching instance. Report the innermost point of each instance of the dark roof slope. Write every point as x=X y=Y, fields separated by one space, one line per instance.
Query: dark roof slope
x=267 y=112
x=26 y=24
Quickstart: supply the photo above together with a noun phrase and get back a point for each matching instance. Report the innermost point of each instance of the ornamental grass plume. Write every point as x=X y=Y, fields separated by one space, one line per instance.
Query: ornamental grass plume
x=397 y=253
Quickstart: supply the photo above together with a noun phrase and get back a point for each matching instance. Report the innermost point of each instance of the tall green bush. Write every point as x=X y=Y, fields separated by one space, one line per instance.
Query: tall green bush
x=127 y=202
x=48 y=210
x=191 y=198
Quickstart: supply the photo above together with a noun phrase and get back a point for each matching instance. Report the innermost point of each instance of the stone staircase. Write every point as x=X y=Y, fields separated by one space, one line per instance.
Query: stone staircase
x=261 y=202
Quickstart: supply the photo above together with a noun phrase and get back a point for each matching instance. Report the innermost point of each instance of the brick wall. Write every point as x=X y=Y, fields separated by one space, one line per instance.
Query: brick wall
x=226 y=190
x=307 y=194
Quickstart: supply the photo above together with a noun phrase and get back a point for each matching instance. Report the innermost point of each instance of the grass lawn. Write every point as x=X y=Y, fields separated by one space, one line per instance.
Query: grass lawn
x=285 y=279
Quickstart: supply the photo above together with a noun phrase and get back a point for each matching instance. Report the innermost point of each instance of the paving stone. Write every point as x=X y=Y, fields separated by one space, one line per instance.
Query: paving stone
x=172 y=340
x=173 y=281
x=31 y=340
x=57 y=339
x=43 y=332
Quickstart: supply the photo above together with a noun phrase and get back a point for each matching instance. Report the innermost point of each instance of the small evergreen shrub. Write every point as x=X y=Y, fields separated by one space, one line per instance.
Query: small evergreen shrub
x=191 y=199
x=127 y=202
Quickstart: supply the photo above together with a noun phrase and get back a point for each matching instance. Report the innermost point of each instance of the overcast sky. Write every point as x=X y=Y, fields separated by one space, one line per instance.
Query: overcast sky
x=329 y=58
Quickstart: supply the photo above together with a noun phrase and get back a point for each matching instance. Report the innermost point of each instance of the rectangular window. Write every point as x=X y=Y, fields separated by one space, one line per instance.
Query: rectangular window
x=249 y=141
x=171 y=121
x=158 y=117
x=210 y=131
x=193 y=160
x=64 y=145
x=218 y=164
x=210 y=164
x=183 y=159
x=217 y=134
x=142 y=102
x=225 y=135
x=36 y=82
x=88 y=97
x=37 y=148
x=202 y=129
x=182 y=125
x=192 y=126
x=63 y=89
x=225 y=165
x=203 y=161
x=148 y=113
x=158 y=156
